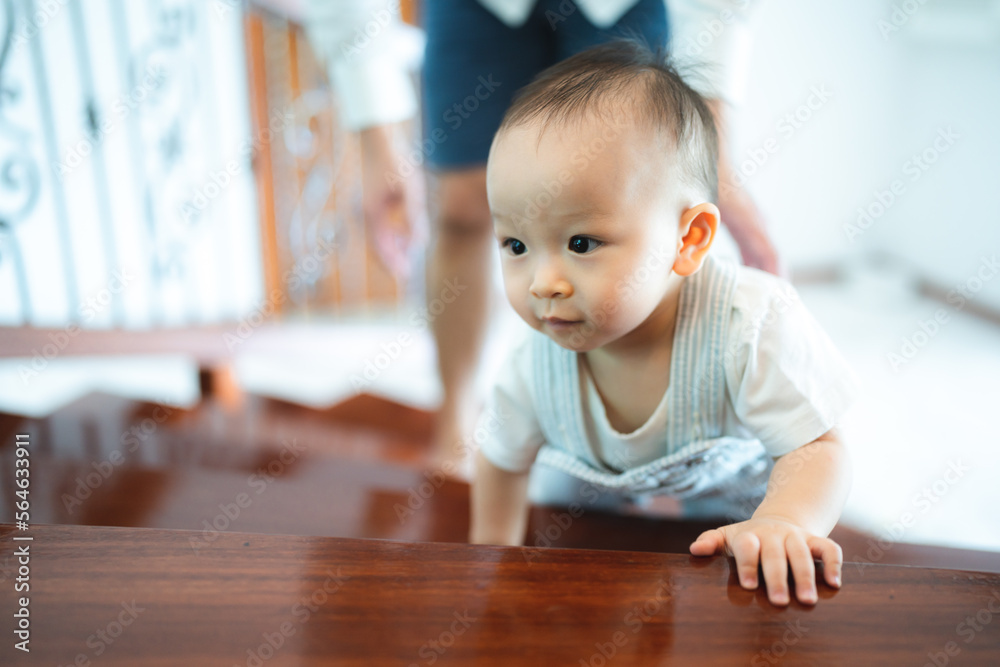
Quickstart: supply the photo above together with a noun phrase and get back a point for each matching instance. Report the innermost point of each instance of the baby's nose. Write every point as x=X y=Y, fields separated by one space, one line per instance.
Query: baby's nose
x=550 y=283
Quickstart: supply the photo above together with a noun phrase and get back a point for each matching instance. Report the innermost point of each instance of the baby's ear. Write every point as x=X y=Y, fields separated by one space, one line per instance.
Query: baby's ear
x=697 y=228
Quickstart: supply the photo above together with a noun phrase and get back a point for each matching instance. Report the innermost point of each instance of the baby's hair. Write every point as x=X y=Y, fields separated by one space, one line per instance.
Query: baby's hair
x=625 y=74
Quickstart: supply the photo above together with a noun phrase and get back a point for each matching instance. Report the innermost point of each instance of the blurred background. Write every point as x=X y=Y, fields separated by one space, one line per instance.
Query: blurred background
x=181 y=236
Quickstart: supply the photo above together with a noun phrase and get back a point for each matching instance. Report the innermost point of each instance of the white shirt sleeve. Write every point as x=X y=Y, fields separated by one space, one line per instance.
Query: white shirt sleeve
x=367 y=50
x=787 y=382
x=714 y=37
x=509 y=429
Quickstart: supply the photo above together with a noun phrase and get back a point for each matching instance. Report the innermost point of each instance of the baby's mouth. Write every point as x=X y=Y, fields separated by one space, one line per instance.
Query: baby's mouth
x=559 y=323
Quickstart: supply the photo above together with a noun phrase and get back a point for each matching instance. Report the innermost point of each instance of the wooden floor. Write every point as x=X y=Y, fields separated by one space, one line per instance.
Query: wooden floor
x=229 y=534
x=254 y=465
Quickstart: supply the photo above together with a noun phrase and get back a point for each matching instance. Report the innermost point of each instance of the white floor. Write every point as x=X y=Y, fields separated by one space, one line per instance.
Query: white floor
x=924 y=425
x=926 y=458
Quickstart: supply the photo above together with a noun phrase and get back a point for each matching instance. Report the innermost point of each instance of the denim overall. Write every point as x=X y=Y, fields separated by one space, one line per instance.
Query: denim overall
x=710 y=473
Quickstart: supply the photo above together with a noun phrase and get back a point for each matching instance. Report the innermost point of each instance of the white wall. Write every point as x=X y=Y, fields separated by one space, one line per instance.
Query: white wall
x=891 y=91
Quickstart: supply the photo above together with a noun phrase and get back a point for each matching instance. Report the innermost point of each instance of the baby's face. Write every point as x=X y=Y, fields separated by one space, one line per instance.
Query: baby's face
x=587 y=221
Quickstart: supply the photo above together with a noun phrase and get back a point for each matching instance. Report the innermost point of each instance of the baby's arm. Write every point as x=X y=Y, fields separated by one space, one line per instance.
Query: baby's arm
x=499 y=505
x=806 y=493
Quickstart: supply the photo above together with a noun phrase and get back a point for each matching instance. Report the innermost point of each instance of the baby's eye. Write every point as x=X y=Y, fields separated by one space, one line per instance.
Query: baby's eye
x=583 y=244
x=516 y=247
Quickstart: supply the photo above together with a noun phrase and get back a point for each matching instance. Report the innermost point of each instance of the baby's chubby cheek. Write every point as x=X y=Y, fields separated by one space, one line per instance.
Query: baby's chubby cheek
x=519 y=299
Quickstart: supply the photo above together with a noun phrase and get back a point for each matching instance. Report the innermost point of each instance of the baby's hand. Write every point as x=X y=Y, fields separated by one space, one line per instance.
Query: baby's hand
x=775 y=543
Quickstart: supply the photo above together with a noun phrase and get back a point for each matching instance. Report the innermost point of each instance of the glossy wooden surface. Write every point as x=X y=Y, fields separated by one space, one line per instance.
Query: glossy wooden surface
x=359 y=470
x=265 y=498
x=337 y=601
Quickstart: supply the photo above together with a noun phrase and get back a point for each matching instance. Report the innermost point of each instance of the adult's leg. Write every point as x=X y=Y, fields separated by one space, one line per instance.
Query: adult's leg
x=472 y=66
x=459 y=265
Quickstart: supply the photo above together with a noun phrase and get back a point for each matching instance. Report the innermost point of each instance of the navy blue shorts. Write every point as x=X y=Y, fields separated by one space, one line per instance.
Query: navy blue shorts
x=475 y=63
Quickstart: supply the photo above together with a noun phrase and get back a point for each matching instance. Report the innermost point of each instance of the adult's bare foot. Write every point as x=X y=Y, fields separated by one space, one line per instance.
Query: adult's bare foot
x=453 y=447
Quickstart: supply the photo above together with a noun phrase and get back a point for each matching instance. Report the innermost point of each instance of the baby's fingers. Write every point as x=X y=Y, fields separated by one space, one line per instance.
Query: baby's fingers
x=746 y=551
x=709 y=543
x=832 y=556
x=803 y=569
x=774 y=564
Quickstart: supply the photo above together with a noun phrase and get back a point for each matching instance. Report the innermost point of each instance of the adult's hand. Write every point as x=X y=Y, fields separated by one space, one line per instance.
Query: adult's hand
x=738 y=211
x=743 y=219
x=393 y=199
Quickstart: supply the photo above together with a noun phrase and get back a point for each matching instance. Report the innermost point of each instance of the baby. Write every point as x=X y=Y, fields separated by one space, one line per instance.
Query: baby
x=653 y=367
